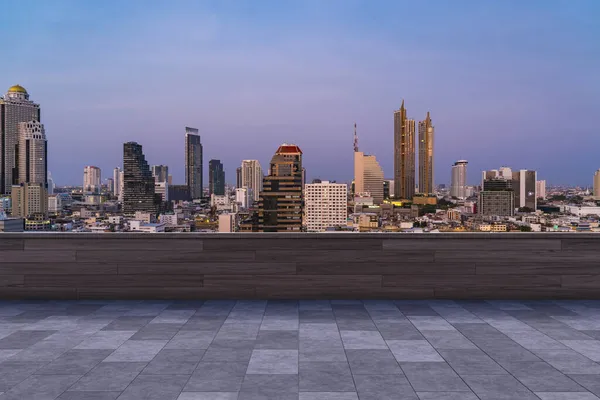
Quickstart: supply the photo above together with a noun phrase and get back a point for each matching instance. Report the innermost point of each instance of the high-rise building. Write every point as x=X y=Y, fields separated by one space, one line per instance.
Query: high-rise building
x=29 y=200
x=281 y=203
x=92 y=179
x=238 y=177
x=252 y=177
x=496 y=198
x=121 y=185
x=15 y=107
x=242 y=198
x=368 y=176
x=160 y=173
x=193 y=162
x=597 y=184
x=426 y=131
x=540 y=189
x=404 y=155
x=32 y=156
x=162 y=190
x=524 y=187
x=325 y=205
x=458 y=185
x=216 y=178
x=51 y=184
x=117 y=182
x=227 y=222
x=138 y=191
x=110 y=184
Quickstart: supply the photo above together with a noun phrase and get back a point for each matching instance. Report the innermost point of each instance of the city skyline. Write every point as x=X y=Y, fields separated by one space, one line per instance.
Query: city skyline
x=495 y=89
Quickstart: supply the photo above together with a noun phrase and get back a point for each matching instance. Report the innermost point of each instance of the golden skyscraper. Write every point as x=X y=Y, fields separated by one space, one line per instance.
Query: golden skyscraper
x=404 y=155
x=426 y=131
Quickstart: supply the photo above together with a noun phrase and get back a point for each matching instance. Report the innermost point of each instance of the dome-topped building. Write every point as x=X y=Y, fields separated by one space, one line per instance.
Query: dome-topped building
x=17 y=92
x=17 y=89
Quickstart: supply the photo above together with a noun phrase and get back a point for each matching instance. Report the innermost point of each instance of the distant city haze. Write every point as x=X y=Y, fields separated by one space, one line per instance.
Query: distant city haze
x=507 y=82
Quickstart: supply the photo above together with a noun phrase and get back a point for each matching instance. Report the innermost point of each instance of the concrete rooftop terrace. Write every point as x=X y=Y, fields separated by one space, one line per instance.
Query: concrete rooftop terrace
x=306 y=350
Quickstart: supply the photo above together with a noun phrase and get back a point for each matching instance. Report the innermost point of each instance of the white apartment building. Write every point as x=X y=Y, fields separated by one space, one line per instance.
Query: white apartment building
x=540 y=189
x=326 y=205
x=252 y=177
x=91 y=179
x=243 y=197
x=221 y=202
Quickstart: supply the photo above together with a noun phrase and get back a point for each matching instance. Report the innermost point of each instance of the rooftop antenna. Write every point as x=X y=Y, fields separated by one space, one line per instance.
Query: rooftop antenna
x=355 y=139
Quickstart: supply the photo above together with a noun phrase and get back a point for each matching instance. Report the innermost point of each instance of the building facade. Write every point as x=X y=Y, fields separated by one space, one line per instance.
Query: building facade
x=497 y=198
x=15 y=108
x=597 y=184
x=193 y=162
x=160 y=173
x=92 y=179
x=117 y=182
x=216 y=178
x=32 y=156
x=29 y=201
x=252 y=178
x=368 y=176
x=325 y=205
x=404 y=155
x=426 y=136
x=524 y=185
x=540 y=189
x=458 y=185
x=138 y=190
x=281 y=200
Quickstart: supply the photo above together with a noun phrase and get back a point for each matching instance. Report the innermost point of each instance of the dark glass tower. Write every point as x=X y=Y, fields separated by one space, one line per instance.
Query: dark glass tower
x=281 y=201
x=138 y=182
x=216 y=178
x=193 y=162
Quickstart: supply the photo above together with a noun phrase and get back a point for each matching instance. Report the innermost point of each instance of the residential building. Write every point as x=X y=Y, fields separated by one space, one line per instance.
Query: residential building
x=160 y=173
x=139 y=226
x=110 y=184
x=92 y=179
x=281 y=203
x=252 y=178
x=193 y=162
x=426 y=133
x=29 y=200
x=524 y=185
x=162 y=189
x=242 y=197
x=540 y=189
x=138 y=191
x=404 y=155
x=15 y=108
x=227 y=222
x=216 y=178
x=31 y=160
x=122 y=185
x=220 y=202
x=597 y=184
x=458 y=185
x=117 y=182
x=325 y=205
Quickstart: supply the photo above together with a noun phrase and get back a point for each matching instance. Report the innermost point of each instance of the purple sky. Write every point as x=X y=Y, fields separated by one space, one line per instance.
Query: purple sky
x=507 y=82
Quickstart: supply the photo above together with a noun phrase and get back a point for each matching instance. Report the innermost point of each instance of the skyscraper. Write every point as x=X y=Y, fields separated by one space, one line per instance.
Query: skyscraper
x=458 y=186
x=281 y=205
x=404 y=155
x=496 y=198
x=525 y=189
x=193 y=162
x=540 y=189
x=32 y=156
x=238 y=177
x=216 y=178
x=117 y=182
x=597 y=184
x=326 y=205
x=15 y=107
x=252 y=178
x=426 y=131
x=138 y=191
x=368 y=175
x=92 y=179
x=160 y=173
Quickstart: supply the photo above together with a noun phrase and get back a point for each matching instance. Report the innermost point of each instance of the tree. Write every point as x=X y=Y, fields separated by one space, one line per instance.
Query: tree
x=525 y=209
x=525 y=228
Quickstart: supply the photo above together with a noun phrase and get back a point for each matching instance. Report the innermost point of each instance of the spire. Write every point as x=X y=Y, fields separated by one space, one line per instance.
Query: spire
x=402 y=106
x=355 y=139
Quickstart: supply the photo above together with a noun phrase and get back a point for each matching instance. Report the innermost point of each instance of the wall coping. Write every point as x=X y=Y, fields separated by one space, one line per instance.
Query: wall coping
x=275 y=236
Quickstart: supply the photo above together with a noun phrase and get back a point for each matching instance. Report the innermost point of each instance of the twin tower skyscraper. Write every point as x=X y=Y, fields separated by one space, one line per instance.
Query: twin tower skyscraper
x=405 y=155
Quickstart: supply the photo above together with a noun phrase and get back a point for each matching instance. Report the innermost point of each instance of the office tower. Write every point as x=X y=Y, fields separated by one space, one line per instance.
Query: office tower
x=29 y=200
x=368 y=176
x=404 y=155
x=252 y=177
x=496 y=198
x=138 y=190
x=193 y=162
x=117 y=181
x=458 y=185
x=160 y=173
x=51 y=184
x=426 y=131
x=216 y=178
x=325 y=205
x=280 y=205
x=524 y=188
x=238 y=177
x=540 y=189
x=91 y=179
x=15 y=107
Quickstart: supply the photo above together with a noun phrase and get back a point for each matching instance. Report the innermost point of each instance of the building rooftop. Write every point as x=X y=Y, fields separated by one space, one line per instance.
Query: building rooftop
x=341 y=349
